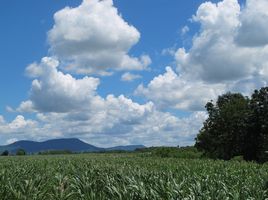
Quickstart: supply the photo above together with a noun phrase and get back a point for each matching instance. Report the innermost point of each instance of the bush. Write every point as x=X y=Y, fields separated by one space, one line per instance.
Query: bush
x=172 y=152
x=21 y=152
x=5 y=153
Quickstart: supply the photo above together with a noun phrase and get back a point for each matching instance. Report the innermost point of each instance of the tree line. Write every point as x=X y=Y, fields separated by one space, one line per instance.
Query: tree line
x=19 y=152
x=237 y=125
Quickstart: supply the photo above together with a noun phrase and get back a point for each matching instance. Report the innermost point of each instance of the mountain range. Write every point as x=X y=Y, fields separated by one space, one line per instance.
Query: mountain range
x=70 y=144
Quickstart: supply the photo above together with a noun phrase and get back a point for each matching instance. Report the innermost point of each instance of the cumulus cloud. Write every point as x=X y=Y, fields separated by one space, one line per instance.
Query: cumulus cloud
x=226 y=55
x=68 y=107
x=94 y=38
x=132 y=124
x=214 y=55
x=34 y=70
x=171 y=90
x=253 y=29
x=130 y=77
x=54 y=91
x=17 y=126
x=26 y=106
x=11 y=140
x=185 y=30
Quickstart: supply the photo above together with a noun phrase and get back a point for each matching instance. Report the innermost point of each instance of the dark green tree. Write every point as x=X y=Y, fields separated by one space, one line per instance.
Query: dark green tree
x=256 y=140
x=222 y=133
x=5 y=153
x=21 y=152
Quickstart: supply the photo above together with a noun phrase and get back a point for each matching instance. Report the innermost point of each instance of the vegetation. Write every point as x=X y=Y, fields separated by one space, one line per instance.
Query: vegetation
x=222 y=133
x=129 y=176
x=172 y=152
x=236 y=126
x=55 y=152
x=21 y=152
x=5 y=153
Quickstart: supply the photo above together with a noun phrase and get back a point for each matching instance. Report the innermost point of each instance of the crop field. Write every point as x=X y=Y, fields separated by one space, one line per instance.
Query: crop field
x=129 y=176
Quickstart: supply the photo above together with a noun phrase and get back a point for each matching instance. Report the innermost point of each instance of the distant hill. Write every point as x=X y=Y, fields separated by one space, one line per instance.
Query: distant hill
x=71 y=144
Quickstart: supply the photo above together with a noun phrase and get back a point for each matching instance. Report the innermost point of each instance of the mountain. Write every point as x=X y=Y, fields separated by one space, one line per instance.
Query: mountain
x=71 y=144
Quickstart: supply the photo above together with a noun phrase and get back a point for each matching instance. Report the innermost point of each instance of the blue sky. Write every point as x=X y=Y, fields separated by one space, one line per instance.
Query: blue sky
x=125 y=72
x=24 y=38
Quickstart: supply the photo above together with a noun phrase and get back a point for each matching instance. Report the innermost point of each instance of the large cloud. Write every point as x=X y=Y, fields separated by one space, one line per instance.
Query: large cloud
x=94 y=38
x=70 y=107
x=54 y=91
x=224 y=56
x=214 y=55
x=253 y=30
x=18 y=126
x=134 y=124
x=171 y=90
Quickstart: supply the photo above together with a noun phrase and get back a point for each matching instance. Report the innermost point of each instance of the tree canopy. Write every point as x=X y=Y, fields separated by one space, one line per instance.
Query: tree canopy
x=5 y=153
x=21 y=152
x=236 y=125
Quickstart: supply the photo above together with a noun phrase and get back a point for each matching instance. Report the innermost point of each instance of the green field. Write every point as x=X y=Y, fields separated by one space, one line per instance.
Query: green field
x=129 y=176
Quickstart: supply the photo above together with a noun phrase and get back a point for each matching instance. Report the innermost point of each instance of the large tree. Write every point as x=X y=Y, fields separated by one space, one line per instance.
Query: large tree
x=223 y=132
x=256 y=140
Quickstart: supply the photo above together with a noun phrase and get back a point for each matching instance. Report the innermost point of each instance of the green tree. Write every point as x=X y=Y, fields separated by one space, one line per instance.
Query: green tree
x=21 y=152
x=5 y=153
x=256 y=140
x=222 y=133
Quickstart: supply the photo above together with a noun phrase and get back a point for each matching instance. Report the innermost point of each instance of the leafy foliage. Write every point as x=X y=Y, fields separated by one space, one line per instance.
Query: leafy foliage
x=236 y=125
x=21 y=152
x=221 y=134
x=5 y=153
x=257 y=135
x=172 y=152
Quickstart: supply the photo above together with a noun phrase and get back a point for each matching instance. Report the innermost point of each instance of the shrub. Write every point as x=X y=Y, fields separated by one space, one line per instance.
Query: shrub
x=5 y=153
x=21 y=152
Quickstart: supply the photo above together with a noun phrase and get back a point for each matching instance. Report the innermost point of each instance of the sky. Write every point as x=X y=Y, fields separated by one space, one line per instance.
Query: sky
x=116 y=72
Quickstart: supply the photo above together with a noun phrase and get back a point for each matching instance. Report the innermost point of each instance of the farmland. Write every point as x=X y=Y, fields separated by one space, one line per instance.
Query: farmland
x=129 y=176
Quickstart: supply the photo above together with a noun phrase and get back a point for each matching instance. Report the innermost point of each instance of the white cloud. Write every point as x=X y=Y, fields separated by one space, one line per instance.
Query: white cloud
x=253 y=30
x=70 y=107
x=130 y=77
x=54 y=91
x=171 y=90
x=185 y=30
x=26 y=106
x=19 y=122
x=19 y=125
x=94 y=38
x=19 y=128
x=111 y=126
x=218 y=61
x=11 y=140
x=214 y=55
x=34 y=70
